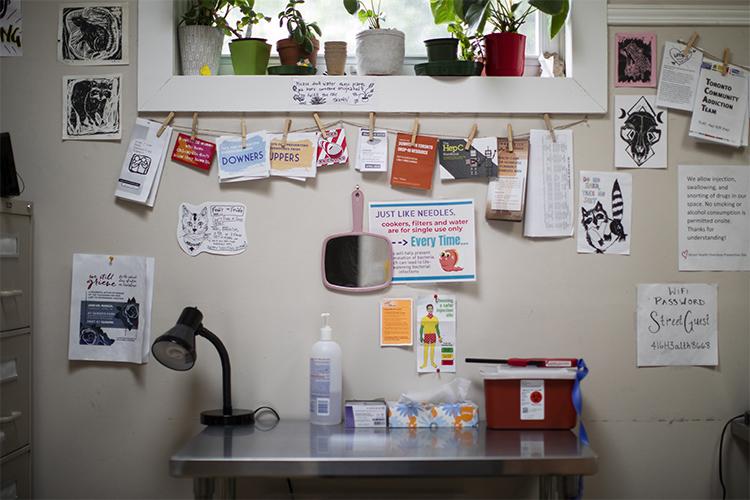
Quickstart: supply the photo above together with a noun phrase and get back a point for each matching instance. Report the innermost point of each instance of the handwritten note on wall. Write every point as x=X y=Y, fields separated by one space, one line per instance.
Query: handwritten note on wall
x=677 y=325
x=353 y=92
x=213 y=227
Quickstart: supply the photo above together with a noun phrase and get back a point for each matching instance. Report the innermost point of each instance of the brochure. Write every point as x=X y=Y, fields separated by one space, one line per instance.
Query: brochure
x=458 y=162
x=144 y=162
x=679 y=77
x=243 y=164
x=414 y=164
x=720 y=109
x=372 y=155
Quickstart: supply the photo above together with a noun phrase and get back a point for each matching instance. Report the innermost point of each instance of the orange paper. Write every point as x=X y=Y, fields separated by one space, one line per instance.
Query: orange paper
x=414 y=164
x=396 y=322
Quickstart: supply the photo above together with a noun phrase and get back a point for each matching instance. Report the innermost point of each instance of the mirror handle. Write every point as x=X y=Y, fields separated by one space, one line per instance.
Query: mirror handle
x=358 y=204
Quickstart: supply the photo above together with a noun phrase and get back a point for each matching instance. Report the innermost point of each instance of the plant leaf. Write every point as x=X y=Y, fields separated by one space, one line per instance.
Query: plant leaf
x=557 y=21
x=551 y=7
x=443 y=11
x=472 y=12
x=351 y=6
x=362 y=15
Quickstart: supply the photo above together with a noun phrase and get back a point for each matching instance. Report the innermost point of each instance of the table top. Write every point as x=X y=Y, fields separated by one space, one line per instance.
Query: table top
x=296 y=448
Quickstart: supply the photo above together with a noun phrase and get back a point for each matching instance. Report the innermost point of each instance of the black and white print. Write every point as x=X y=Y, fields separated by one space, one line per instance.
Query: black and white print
x=92 y=107
x=93 y=34
x=11 y=28
x=604 y=218
x=640 y=132
x=635 y=60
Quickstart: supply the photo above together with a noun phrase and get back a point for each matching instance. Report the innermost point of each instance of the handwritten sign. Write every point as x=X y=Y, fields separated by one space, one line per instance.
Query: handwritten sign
x=212 y=227
x=317 y=92
x=193 y=152
x=677 y=325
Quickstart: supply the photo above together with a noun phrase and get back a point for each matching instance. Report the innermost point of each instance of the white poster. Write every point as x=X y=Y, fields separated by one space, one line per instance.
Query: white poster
x=11 y=28
x=640 y=132
x=372 y=155
x=212 y=227
x=714 y=218
x=144 y=162
x=110 y=308
x=720 y=109
x=435 y=327
x=604 y=222
x=678 y=78
x=549 y=204
x=433 y=241
x=677 y=325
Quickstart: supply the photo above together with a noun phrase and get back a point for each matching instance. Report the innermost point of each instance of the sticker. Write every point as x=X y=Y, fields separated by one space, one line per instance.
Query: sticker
x=212 y=227
x=193 y=152
x=532 y=399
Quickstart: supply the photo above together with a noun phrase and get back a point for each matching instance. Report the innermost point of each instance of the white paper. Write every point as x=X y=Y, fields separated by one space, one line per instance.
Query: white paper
x=372 y=156
x=110 y=308
x=678 y=78
x=549 y=204
x=11 y=26
x=350 y=91
x=93 y=34
x=144 y=162
x=714 y=218
x=720 y=111
x=677 y=325
x=604 y=218
x=238 y=164
x=640 y=132
x=298 y=159
x=508 y=189
x=92 y=107
x=435 y=327
x=213 y=227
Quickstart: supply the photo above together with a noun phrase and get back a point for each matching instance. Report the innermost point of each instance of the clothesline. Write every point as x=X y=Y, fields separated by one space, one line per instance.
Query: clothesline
x=707 y=53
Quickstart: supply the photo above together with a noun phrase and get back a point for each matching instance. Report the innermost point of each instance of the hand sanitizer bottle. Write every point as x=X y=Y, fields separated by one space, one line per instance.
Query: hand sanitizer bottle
x=325 y=378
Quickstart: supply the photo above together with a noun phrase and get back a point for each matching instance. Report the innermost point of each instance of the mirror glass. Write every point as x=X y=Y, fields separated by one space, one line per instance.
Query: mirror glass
x=358 y=261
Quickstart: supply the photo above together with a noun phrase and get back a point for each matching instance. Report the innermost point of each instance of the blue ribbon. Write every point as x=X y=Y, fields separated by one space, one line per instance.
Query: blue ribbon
x=581 y=372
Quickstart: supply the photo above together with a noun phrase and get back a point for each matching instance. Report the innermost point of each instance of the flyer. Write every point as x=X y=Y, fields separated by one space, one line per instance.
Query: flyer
x=458 y=162
x=604 y=222
x=507 y=191
x=677 y=325
x=396 y=322
x=332 y=148
x=144 y=163
x=640 y=132
x=714 y=218
x=414 y=164
x=212 y=227
x=297 y=158
x=110 y=308
x=679 y=77
x=193 y=152
x=435 y=325
x=372 y=155
x=720 y=110
x=433 y=241
x=242 y=164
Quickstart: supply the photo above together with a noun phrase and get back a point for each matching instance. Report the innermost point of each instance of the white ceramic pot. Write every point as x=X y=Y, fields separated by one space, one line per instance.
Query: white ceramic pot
x=380 y=52
x=200 y=46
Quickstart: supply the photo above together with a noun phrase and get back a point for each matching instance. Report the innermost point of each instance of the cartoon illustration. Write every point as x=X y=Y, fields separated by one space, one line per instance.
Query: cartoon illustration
x=678 y=57
x=194 y=227
x=128 y=314
x=429 y=335
x=93 y=335
x=602 y=231
x=448 y=260
x=641 y=130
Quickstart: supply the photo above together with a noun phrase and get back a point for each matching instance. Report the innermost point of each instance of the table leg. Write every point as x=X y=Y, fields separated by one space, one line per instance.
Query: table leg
x=228 y=488
x=558 y=487
x=203 y=488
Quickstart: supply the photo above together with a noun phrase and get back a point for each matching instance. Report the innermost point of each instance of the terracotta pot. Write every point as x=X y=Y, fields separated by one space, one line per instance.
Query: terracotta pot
x=505 y=54
x=335 y=53
x=291 y=53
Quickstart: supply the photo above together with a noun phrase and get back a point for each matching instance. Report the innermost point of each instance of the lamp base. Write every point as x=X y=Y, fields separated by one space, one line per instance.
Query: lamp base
x=218 y=417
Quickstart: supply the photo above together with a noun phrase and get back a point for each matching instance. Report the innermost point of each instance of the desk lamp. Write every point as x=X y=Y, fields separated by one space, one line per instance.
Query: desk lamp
x=176 y=350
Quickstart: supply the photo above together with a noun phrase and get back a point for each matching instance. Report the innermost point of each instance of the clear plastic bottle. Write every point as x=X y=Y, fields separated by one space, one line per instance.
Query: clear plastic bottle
x=325 y=378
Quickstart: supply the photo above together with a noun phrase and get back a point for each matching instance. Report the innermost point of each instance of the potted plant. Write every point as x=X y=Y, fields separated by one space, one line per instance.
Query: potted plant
x=379 y=51
x=201 y=33
x=301 y=44
x=249 y=55
x=467 y=40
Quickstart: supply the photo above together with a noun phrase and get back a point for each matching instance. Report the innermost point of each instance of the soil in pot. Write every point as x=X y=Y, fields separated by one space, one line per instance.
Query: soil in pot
x=505 y=54
x=291 y=53
x=250 y=56
x=380 y=52
x=442 y=49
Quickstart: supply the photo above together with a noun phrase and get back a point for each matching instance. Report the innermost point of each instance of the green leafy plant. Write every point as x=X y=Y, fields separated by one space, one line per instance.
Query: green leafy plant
x=506 y=16
x=302 y=32
x=371 y=15
x=469 y=41
x=215 y=13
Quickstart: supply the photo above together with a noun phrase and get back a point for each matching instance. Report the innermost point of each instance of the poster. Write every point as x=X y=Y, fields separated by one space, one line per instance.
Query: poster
x=396 y=322
x=435 y=327
x=212 y=227
x=413 y=164
x=242 y=164
x=11 y=28
x=110 y=308
x=92 y=107
x=714 y=218
x=507 y=192
x=433 y=241
x=604 y=224
x=720 y=110
x=677 y=325
x=635 y=58
x=144 y=163
x=332 y=148
x=372 y=155
x=678 y=78
x=93 y=34
x=640 y=133
x=458 y=162
x=297 y=158
x=193 y=152
x=549 y=205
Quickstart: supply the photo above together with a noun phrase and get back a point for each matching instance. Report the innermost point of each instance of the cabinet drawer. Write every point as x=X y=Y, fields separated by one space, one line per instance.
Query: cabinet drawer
x=15 y=476
x=15 y=391
x=15 y=271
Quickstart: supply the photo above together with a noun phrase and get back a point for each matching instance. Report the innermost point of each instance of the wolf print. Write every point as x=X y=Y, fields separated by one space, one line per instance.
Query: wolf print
x=603 y=231
x=194 y=227
x=641 y=130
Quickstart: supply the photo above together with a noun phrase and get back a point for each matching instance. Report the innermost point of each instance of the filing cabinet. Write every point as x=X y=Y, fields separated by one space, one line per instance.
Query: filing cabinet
x=15 y=348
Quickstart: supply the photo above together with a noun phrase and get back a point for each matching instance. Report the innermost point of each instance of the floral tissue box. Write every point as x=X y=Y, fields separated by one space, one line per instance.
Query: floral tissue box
x=411 y=414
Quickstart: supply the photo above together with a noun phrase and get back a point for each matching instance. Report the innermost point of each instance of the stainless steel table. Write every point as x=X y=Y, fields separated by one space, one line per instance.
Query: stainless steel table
x=217 y=456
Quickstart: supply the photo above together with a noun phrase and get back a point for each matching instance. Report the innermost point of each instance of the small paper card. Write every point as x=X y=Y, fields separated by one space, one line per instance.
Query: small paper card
x=241 y=164
x=679 y=77
x=296 y=158
x=414 y=164
x=212 y=227
x=458 y=162
x=144 y=162
x=506 y=194
x=193 y=152
x=635 y=58
x=372 y=156
x=395 y=322
x=720 y=108
x=332 y=148
x=436 y=328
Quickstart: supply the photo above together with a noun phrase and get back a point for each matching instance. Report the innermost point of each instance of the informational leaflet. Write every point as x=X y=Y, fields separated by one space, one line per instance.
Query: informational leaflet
x=372 y=155
x=508 y=190
x=396 y=322
x=144 y=163
x=720 y=109
x=332 y=148
x=435 y=326
x=459 y=162
x=297 y=158
x=640 y=132
x=433 y=241
x=677 y=325
x=414 y=163
x=604 y=223
x=237 y=163
x=212 y=227
x=678 y=78
x=714 y=218
x=110 y=308
x=193 y=152
x=549 y=205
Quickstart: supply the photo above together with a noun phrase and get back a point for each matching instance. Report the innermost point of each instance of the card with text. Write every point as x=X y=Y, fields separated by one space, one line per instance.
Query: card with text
x=193 y=152
x=414 y=164
x=395 y=322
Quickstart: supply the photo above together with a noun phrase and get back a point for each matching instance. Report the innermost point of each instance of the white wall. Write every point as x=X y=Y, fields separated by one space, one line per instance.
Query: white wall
x=108 y=430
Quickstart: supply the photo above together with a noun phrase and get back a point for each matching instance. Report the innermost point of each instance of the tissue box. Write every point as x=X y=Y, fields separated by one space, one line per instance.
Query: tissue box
x=410 y=414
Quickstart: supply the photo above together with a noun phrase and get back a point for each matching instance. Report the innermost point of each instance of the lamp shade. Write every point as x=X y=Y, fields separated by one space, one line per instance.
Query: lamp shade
x=176 y=348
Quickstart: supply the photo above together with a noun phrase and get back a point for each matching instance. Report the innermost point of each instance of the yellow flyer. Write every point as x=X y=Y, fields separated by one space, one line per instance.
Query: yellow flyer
x=396 y=322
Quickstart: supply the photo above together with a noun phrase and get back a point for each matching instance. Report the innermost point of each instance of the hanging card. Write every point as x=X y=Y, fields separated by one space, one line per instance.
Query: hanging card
x=295 y=159
x=144 y=162
x=372 y=156
x=720 y=111
x=332 y=148
x=679 y=77
x=506 y=193
x=193 y=152
x=241 y=164
x=458 y=162
x=414 y=164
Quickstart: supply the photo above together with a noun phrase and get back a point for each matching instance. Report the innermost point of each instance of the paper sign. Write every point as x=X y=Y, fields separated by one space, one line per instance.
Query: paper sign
x=677 y=325
x=372 y=156
x=110 y=308
x=11 y=28
x=507 y=191
x=332 y=148
x=395 y=322
x=640 y=133
x=296 y=158
x=212 y=227
x=549 y=207
x=433 y=241
x=604 y=220
x=720 y=108
x=679 y=77
x=144 y=162
x=348 y=91
x=714 y=218
x=414 y=164
x=193 y=152
x=435 y=324
x=241 y=164
x=635 y=60
x=479 y=161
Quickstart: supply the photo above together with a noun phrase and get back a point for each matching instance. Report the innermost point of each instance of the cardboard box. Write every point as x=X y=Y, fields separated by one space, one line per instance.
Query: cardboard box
x=370 y=413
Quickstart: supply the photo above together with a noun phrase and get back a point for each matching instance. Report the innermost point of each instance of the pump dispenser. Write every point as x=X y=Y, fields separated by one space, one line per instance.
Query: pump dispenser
x=325 y=378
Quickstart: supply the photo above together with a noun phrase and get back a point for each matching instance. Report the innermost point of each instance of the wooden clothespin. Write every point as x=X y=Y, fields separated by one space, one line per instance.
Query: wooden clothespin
x=243 y=131
x=194 y=132
x=693 y=38
x=111 y=259
x=319 y=124
x=414 y=131
x=165 y=124
x=548 y=124
x=510 y=138
x=287 y=126
x=725 y=64
x=472 y=134
x=372 y=125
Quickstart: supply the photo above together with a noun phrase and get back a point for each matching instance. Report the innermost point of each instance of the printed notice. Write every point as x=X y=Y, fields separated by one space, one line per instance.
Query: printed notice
x=679 y=77
x=435 y=324
x=212 y=227
x=372 y=155
x=714 y=224
x=297 y=158
x=395 y=322
x=720 y=108
x=320 y=91
x=677 y=325
x=144 y=162
x=238 y=163
x=509 y=188
x=193 y=152
x=605 y=221
x=433 y=241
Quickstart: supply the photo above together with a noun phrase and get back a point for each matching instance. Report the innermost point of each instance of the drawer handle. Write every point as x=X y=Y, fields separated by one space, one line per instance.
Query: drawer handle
x=6 y=294
x=14 y=415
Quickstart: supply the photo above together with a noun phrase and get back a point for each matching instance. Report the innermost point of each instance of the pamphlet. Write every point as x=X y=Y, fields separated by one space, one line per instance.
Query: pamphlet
x=720 y=111
x=144 y=163
x=372 y=155
x=332 y=148
x=414 y=164
x=193 y=152
x=295 y=159
x=458 y=162
x=506 y=193
x=435 y=325
x=678 y=79
x=395 y=322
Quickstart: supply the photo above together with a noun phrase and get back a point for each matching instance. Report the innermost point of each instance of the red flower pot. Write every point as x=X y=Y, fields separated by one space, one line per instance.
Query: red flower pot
x=505 y=53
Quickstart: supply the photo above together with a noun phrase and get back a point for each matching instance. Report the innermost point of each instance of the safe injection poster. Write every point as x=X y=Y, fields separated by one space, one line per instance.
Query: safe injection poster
x=433 y=241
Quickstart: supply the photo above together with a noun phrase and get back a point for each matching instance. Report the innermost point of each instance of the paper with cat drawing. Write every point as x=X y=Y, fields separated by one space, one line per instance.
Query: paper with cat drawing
x=212 y=227
x=604 y=218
